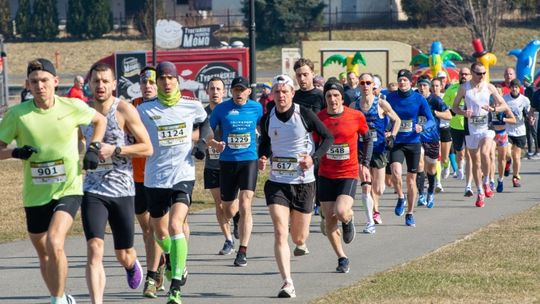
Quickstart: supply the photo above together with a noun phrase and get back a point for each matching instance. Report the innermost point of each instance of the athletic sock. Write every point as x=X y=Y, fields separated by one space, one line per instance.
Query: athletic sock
x=438 y=168
x=179 y=251
x=420 y=180
x=431 y=183
x=368 y=203
x=165 y=244
x=500 y=179
x=152 y=275
x=59 y=300
x=485 y=180
x=242 y=249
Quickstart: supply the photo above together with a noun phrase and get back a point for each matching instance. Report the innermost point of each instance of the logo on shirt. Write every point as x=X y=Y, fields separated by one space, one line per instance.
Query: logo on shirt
x=234 y=112
x=155 y=117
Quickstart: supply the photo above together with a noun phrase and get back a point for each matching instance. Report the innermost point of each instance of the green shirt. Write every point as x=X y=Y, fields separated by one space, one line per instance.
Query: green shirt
x=55 y=171
x=457 y=122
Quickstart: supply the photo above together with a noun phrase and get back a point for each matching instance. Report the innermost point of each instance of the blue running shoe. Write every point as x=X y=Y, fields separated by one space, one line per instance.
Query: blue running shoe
x=400 y=207
x=316 y=210
x=430 y=200
x=500 y=186
x=409 y=220
x=421 y=200
x=492 y=185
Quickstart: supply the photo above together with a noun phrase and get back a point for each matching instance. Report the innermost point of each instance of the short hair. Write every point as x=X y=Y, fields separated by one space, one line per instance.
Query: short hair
x=215 y=78
x=78 y=78
x=302 y=62
x=100 y=67
x=475 y=65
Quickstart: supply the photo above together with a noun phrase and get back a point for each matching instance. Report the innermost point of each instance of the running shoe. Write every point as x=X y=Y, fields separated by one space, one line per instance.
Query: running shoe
x=343 y=265
x=507 y=167
x=369 y=229
x=183 y=279
x=150 y=288
x=480 y=200
x=439 y=187
x=287 y=291
x=236 y=219
x=134 y=276
x=300 y=250
x=492 y=185
x=70 y=299
x=460 y=174
x=400 y=207
x=240 y=260
x=445 y=172
x=409 y=220
x=515 y=182
x=468 y=191
x=349 y=231
x=161 y=273
x=316 y=210
x=500 y=186
x=228 y=247
x=377 y=217
x=430 y=200
x=174 y=296
x=487 y=191
x=421 y=200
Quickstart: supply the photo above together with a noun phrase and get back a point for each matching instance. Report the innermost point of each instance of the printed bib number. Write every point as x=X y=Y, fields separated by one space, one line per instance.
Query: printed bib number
x=406 y=126
x=172 y=135
x=50 y=172
x=444 y=123
x=478 y=120
x=421 y=120
x=104 y=165
x=213 y=153
x=372 y=134
x=239 y=141
x=338 y=152
x=284 y=166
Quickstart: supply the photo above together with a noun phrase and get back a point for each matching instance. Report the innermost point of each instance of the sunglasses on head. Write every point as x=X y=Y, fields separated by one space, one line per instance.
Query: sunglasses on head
x=480 y=73
x=365 y=82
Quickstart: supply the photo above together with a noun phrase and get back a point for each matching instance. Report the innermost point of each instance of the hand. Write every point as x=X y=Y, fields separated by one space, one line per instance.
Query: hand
x=219 y=146
x=91 y=159
x=23 y=152
x=468 y=113
x=364 y=173
x=262 y=163
x=199 y=150
x=418 y=128
x=106 y=151
x=305 y=161
x=390 y=141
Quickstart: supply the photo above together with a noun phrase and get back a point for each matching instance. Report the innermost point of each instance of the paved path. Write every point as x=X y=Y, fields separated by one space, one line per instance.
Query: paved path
x=213 y=279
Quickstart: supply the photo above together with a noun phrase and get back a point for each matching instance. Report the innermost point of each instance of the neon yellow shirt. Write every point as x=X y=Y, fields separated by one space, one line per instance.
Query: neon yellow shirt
x=457 y=122
x=55 y=171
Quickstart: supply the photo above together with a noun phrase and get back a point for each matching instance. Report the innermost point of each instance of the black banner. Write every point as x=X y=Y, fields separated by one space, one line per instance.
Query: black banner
x=128 y=67
x=200 y=37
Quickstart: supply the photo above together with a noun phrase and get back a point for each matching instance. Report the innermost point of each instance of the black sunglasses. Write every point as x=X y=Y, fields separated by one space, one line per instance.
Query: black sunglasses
x=480 y=73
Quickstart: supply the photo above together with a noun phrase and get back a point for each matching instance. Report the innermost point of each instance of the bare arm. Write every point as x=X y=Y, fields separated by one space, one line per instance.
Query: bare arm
x=444 y=114
x=455 y=106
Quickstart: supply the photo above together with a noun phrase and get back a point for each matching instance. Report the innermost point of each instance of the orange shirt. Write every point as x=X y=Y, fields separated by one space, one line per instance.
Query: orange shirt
x=138 y=162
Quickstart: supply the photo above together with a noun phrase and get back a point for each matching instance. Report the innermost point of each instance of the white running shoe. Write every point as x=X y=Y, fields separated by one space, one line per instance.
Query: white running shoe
x=445 y=172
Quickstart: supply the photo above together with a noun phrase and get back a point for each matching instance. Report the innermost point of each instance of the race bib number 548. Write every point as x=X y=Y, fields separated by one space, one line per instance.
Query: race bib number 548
x=338 y=152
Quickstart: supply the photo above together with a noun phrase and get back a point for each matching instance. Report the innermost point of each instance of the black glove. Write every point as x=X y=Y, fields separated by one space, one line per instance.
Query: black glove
x=23 y=152
x=390 y=141
x=500 y=116
x=199 y=150
x=91 y=159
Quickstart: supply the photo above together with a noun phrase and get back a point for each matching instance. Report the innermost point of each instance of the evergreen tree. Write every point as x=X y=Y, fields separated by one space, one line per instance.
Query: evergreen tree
x=75 y=24
x=98 y=18
x=45 y=19
x=23 y=26
x=5 y=19
x=143 y=20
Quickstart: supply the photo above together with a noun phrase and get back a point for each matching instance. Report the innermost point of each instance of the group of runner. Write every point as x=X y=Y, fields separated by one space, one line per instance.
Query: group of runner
x=315 y=145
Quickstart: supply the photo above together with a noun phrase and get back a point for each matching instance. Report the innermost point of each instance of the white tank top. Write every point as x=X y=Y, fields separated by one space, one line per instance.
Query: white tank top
x=475 y=99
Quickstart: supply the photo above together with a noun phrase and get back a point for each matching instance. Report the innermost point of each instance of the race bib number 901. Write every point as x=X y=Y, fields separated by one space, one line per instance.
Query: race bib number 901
x=49 y=172
x=338 y=152
x=239 y=141
x=172 y=135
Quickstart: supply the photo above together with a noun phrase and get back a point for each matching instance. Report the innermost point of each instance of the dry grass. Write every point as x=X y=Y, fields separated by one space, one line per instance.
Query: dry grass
x=498 y=264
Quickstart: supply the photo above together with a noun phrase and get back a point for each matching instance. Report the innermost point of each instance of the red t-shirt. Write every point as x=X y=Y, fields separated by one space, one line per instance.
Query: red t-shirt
x=341 y=160
x=506 y=89
x=75 y=92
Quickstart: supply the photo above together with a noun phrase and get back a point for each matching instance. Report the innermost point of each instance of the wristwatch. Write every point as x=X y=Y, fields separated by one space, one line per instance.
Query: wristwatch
x=117 y=150
x=95 y=145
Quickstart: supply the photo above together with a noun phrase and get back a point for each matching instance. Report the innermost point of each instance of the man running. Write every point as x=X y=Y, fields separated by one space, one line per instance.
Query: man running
x=45 y=131
x=237 y=118
x=109 y=189
x=290 y=190
x=169 y=174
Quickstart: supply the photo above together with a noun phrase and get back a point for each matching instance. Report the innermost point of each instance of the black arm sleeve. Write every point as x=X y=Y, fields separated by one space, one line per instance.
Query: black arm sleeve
x=368 y=149
x=314 y=124
x=204 y=129
x=264 y=139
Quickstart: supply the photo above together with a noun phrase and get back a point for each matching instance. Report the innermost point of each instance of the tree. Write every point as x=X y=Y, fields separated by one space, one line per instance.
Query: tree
x=280 y=22
x=143 y=20
x=44 y=19
x=5 y=19
x=22 y=19
x=75 y=24
x=98 y=18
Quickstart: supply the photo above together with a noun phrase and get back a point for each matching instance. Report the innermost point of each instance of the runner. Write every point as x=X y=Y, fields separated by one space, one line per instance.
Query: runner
x=378 y=114
x=408 y=105
x=339 y=168
x=479 y=140
x=237 y=118
x=45 y=132
x=155 y=260
x=109 y=190
x=169 y=174
x=290 y=189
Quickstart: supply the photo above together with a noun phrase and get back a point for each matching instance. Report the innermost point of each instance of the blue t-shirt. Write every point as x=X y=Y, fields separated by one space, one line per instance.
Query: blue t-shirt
x=377 y=127
x=238 y=124
x=408 y=109
x=432 y=134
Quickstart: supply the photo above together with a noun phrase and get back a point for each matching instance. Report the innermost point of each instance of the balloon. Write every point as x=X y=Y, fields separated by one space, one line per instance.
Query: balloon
x=526 y=59
x=437 y=60
x=351 y=62
x=483 y=56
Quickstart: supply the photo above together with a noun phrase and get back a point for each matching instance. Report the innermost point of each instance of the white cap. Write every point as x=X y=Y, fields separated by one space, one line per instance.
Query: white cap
x=376 y=83
x=283 y=79
x=441 y=74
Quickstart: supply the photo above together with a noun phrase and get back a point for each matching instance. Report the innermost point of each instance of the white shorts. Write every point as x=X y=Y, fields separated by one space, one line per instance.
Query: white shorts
x=472 y=141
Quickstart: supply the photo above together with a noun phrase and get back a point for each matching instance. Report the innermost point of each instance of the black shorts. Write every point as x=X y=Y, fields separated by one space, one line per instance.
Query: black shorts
x=330 y=189
x=445 y=134
x=119 y=211
x=141 y=203
x=299 y=197
x=409 y=152
x=38 y=218
x=161 y=199
x=378 y=160
x=458 y=139
x=211 y=178
x=237 y=175
x=518 y=141
x=431 y=149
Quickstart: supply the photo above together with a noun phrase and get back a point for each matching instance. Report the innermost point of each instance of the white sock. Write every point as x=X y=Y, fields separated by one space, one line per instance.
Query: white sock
x=368 y=203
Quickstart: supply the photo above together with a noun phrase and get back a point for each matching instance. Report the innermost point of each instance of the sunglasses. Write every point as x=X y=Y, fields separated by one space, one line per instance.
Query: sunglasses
x=480 y=73
x=364 y=83
x=465 y=74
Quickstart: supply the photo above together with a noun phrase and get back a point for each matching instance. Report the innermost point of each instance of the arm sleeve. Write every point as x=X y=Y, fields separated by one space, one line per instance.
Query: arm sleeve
x=204 y=129
x=265 y=143
x=368 y=141
x=314 y=124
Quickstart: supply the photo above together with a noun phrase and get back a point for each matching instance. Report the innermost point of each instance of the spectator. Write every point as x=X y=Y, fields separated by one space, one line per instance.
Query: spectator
x=318 y=82
x=266 y=96
x=76 y=90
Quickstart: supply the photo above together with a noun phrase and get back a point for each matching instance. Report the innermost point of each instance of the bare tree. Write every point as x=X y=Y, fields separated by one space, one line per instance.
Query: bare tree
x=480 y=17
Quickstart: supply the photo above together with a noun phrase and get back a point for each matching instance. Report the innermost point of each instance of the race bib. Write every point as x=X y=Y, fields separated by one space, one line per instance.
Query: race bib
x=213 y=153
x=338 y=152
x=421 y=120
x=444 y=123
x=49 y=172
x=285 y=166
x=406 y=126
x=372 y=134
x=104 y=165
x=172 y=135
x=478 y=120
x=239 y=141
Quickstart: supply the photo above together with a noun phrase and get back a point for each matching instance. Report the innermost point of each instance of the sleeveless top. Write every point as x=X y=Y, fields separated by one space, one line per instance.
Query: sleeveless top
x=376 y=124
x=475 y=100
x=114 y=176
